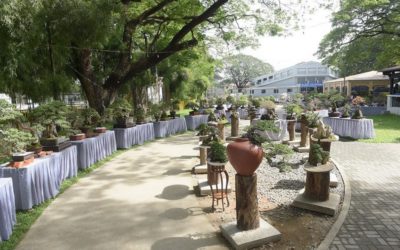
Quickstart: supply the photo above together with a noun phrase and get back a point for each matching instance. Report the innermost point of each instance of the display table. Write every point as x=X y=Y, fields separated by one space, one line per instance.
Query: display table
x=7 y=208
x=322 y=113
x=92 y=150
x=65 y=163
x=354 y=128
x=275 y=136
x=127 y=137
x=193 y=121
x=170 y=127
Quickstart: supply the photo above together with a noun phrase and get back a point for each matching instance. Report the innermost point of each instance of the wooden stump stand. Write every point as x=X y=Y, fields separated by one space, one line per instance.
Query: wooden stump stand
x=247 y=215
x=203 y=155
x=221 y=131
x=291 y=129
x=234 y=127
x=304 y=135
x=317 y=182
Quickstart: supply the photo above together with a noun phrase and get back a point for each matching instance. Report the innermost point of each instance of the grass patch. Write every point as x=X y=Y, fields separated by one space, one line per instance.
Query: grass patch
x=25 y=219
x=387 y=129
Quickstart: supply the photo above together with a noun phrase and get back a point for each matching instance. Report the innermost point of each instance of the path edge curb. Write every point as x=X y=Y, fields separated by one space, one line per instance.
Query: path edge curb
x=343 y=213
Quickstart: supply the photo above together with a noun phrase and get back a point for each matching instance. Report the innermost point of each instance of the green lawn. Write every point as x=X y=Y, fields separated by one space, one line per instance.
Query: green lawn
x=387 y=129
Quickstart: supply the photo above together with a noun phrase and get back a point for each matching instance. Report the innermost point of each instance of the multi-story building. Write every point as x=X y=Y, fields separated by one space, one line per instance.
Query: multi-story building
x=300 y=78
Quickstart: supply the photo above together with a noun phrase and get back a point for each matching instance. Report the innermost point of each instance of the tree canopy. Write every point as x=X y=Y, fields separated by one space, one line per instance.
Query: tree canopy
x=107 y=44
x=240 y=69
x=365 y=36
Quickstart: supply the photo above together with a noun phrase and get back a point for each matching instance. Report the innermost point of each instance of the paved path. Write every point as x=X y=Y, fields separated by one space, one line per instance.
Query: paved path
x=373 y=221
x=142 y=199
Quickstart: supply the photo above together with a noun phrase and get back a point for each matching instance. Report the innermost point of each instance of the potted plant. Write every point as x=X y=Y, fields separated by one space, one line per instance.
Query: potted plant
x=242 y=102
x=174 y=106
x=357 y=113
x=203 y=131
x=89 y=120
x=323 y=136
x=346 y=111
x=220 y=103
x=194 y=106
x=256 y=102
x=272 y=150
x=246 y=153
x=230 y=99
x=334 y=112
x=52 y=116
x=155 y=111
x=164 y=116
x=120 y=111
x=292 y=111
x=140 y=115
x=217 y=158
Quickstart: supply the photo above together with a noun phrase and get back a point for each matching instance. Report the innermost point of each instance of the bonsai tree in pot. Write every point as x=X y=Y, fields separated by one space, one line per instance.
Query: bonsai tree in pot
x=269 y=113
x=89 y=120
x=335 y=99
x=52 y=116
x=243 y=101
x=357 y=113
x=346 y=111
x=174 y=107
x=120 y=110
x=220 y=103
x=217 y=158
x=203 y=131
x=194 y=106
x=164 y=115
x=274 y=150
x=323 y=136
x=155 y=111
x=140 y=115
x=292 y=110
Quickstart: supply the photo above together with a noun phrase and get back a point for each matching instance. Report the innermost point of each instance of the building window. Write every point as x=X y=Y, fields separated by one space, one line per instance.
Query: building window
x=265 y=79
x=263 y=91
x=259 y=81
x=270 y=77
x=252 y=91
x=276 y=91
x=289 y=90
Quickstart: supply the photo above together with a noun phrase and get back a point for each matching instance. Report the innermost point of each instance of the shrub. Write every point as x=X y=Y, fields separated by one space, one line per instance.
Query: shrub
x=218 y=152
x=358 y=100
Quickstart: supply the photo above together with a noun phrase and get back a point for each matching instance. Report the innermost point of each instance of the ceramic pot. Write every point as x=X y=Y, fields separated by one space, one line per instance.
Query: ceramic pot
x=334 y=114
x=244 y=156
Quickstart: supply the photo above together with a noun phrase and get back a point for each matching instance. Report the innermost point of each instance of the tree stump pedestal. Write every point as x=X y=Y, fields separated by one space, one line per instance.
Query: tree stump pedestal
x=203 y=154
x=249 y=230
x=234 y=126
x=304 y=139
x=316 y=196
x=221 y=131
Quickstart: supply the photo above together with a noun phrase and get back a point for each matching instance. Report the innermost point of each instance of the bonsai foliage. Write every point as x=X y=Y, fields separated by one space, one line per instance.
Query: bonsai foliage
x=268 y=105
x=192 y=105
x=312 y=119
x=243 y=100
x=270 y=115
x=212 y=136
x=53 y=117
x=204 y=103
x=155 y=111
x=318 y=155
x=8 y=113
x=218 y=152
x=292 y=111
x=357 y=113
x=140 y=114
x=358 y=100
x=346 y=111
x=212 y=117
x=324 y=132
x=203 y=129
x=230 y=99
x=120 y=110
x=253 y=131
x=90 y=117
x=256 y=102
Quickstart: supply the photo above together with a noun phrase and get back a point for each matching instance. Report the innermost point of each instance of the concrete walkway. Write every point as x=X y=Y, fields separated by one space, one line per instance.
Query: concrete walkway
x=373 y=221
x=142 y=199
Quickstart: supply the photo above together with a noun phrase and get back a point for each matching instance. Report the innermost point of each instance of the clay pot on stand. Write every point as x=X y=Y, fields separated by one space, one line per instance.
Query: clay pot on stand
x=244 y=156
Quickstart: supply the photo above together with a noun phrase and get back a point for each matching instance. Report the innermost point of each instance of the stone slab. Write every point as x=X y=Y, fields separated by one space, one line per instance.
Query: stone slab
x=205 y=189
x=252 y=238
x=200 y=169
x=294 y=142
x=302 y=149
x=328 y=207
x=333 y=180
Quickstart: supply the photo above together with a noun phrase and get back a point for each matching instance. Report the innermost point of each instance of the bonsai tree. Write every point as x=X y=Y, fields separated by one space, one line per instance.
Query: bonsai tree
x=292 y=111
x=120 y=110
x=192 y=105
x=155 y=111
x=218 y=152
x=312 y=119
x=256 y=102
x=212 y=117
x=204 y=104
x=220 y=103
x=140 y=115
x=243 y=100
x=174 y=107
x=346 y=111
x=212 y=136
x=230 y=99
x=268 y=105
x=357 y=113
x=318 y=155
x=358 y=101
x=203 y=129
x=324 y=132
x=253 y=131
x=52 y=116
x=89 y=119
x=164 y=116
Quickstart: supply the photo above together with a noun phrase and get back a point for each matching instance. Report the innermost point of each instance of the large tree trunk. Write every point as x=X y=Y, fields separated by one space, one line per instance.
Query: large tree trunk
x=247 y=215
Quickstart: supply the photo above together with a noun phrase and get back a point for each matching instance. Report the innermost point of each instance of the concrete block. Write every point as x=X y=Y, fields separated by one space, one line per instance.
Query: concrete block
x=333 y=180
x=252 y=238
x=200 y=169
x=328 y=207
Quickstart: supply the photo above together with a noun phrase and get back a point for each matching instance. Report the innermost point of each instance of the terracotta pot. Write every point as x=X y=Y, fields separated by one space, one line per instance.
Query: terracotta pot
x=244 y=156
x=334 y=114
x=100 y=130
x=77 y=137
x=291 y=124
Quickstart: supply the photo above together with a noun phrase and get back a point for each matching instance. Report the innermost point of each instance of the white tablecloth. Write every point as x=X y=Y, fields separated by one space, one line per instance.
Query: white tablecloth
x=92 y=150
x=193 y=121
x=7 y=208
x=127 y=137
x=276 y=136
x=170 y=127
x=322 y=112
x=354 y=128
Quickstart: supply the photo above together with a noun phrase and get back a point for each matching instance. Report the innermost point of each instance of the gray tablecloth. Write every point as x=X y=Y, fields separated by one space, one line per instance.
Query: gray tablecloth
x=127 y=137
x=354 y=128
x=322 y=112
x=66 y=164
x=276 y=136
x=7 y=208
x=170 y=127
x=92 y=150
x=193 y=121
